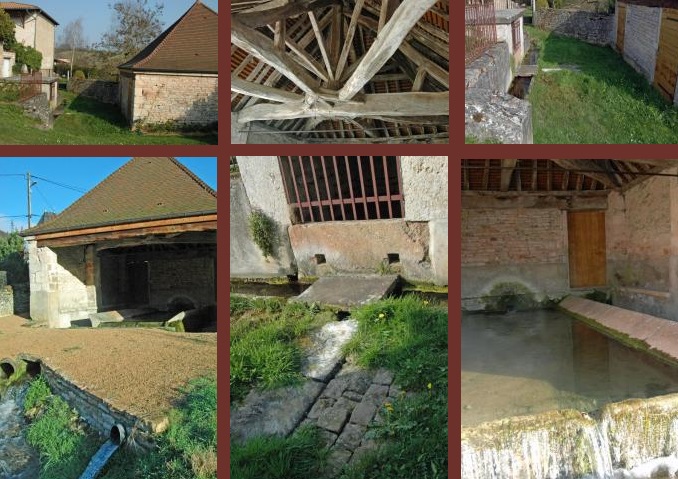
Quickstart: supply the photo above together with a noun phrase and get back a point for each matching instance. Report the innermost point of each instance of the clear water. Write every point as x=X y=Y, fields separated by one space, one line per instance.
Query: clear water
x=18 y=460
x=529 y=362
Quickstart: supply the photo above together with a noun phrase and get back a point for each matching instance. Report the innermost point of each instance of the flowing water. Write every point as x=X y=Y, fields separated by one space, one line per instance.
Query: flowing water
x=99 y=460
x=18 y=460
x=546 y=397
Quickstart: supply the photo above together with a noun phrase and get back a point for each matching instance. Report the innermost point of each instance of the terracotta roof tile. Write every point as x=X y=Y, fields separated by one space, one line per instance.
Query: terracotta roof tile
x=142 y=189
x=189 y=45
x=26 y=6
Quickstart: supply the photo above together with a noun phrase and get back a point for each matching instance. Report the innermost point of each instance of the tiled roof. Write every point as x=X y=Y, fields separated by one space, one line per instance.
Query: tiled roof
x=26 y=6
x=142 y=189
x=190 y=45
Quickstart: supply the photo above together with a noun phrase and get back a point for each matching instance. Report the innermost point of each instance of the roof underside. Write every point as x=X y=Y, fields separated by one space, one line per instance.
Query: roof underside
x=318 y=70
x=189 y=45
x=15 y=6
x=143 y=189
x=553 y=176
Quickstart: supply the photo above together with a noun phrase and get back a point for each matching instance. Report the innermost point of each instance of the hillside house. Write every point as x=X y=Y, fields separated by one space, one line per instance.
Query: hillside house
x=174 y=79
x=342 y=215
x=354 y=71
x=145 y=237
x=34 y=28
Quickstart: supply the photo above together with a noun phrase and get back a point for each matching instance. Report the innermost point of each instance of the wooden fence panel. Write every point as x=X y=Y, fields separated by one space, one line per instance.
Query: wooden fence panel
x=666 y=70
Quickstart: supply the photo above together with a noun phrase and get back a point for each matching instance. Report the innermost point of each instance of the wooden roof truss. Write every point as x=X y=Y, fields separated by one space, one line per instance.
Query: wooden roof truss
x=342 y=70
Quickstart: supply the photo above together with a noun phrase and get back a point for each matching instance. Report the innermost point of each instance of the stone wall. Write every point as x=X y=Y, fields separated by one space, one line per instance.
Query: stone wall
x=641 y=38
x=97 y=413
x=425 y=185
x=6 y=301
x=22 y=297
x=497 y=117
x=182 y=100
x=590 y=27
x=522 y=246
x=492 y=70
x=103 y=91
x=39 y=107
x=193 y=278
x=641 y=257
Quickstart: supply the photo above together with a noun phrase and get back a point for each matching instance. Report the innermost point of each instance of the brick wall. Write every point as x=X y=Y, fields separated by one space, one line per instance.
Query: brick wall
x=641 y=38
x=590 y=27
x=183 y=99
x=192 y=278
x=512 y=236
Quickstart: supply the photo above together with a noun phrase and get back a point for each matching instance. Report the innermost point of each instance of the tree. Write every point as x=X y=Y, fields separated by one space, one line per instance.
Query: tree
x=135 y=24
x=12 y=258
x=6 y=29
x=28 y=56
x=73 y=36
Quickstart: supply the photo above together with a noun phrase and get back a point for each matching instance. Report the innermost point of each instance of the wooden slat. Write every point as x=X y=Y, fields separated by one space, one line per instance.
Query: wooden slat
x=621 y=25
x=666 y=70
x=586 y=246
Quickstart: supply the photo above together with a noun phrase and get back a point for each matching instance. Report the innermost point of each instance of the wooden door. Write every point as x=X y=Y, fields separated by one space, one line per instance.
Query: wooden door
x=666 y=70
x=621 y=26
x=586 y=245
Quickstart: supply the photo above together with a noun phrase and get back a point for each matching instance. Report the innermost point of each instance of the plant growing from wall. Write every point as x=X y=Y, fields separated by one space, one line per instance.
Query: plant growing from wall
x=28 y=56
x=264 y=232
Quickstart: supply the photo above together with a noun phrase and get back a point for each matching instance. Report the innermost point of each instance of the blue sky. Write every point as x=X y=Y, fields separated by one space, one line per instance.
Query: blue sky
x=97 y=17
x=80 y=173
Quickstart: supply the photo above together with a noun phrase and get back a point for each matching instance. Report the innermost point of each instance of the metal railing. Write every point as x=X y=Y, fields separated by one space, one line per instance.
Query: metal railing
x=342 y=188
x=481 y=29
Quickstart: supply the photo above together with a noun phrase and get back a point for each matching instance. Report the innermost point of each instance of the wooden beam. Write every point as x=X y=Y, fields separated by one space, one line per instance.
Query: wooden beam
x=419 y=79
x=486 y=175
x=386 y=12
x=563 y=200
x=335 y=35
x=279 y=35
x=261 y=91
x=262 y=47
x=350 y=33
x=507 y=167
x=272 y=12
x=590 y=169
x=375 y=105
x=388 y=41
x=321 y=45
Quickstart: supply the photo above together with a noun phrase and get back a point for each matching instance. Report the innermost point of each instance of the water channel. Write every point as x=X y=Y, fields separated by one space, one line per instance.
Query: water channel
x=18 y=460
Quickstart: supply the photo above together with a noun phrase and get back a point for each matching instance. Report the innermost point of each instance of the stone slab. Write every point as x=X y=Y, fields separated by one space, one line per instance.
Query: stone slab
x=527 y=70
x=272 y=413
x=324 y=355
x=497 y=117
x=117 y=316
x=349 y=291
x=334 y=418
x=351 y=436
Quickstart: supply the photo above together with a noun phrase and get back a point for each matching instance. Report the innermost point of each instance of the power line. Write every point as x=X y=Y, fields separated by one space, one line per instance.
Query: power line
x=63 y=185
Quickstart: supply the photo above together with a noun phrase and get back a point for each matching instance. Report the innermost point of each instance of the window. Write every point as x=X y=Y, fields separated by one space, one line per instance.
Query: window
x=342 y=188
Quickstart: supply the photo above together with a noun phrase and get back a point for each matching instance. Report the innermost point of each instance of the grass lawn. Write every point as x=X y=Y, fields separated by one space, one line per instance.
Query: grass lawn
x=605 y=101
x=84 y=121
x=407 y=335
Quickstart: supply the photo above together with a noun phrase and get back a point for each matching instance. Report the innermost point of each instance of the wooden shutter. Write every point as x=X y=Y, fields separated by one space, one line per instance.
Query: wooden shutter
x=586 y=244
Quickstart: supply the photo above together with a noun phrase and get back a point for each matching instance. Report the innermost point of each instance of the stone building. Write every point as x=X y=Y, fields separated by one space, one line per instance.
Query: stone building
x=174 y=79
x=353 y=71
x=145 y=237
x=546 y=228
x=342 y=215
x=34 y=28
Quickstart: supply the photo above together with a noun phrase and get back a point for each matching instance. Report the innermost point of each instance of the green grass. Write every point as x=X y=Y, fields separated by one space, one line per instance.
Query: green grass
x=265 y=341
x=299 y=456
x=607 y=101
x=84 y=121
x=186 y=451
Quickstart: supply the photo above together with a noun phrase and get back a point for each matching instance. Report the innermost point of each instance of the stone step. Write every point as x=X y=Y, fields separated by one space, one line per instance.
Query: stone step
x=349 y=291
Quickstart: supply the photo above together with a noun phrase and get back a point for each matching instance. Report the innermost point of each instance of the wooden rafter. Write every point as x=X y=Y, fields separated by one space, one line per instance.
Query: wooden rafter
x=262 y=47
x=271 y=12
x=321 y=45
x=507 y=167
x=389 y=39
x=262 y=91
x=348 y=42
x=591 y=169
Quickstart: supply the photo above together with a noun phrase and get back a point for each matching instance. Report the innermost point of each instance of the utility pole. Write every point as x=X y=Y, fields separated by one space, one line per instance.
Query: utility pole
x=28 y=191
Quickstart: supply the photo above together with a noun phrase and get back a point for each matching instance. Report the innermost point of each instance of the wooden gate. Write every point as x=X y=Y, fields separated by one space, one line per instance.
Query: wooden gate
x=666 y=71
x=621 y=26
x=586 y=239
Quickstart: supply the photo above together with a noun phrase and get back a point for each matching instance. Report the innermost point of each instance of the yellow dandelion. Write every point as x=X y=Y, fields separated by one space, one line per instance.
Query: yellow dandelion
x=382 y=315
x=429 y=386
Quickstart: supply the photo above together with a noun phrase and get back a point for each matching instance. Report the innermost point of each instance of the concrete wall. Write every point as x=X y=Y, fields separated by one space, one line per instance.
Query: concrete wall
x=589 y=27
x=641 y=227
x=362 y=247
x=58 y=291
x=259 y=187
x=641 y=38
x=425 y=187
x=187 y=100
x=523 y=246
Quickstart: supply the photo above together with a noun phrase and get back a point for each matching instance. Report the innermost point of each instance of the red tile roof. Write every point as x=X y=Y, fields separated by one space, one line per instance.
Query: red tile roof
x=28 y=7
x=189 y=45
x=142 y=189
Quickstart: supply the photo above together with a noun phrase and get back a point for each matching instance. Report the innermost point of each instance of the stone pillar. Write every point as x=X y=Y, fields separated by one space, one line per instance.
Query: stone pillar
x=89 y=265
x=43 y=270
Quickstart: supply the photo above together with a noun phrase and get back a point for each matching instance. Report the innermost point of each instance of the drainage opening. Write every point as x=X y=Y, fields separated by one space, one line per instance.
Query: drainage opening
x=393 y=258
x=320 y=259
x=117 y=434
x=32 y=368
x=342 y=315
x=7 y=369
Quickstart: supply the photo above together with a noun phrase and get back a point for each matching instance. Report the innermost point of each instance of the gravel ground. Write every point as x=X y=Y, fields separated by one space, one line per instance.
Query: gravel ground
x=137 y=370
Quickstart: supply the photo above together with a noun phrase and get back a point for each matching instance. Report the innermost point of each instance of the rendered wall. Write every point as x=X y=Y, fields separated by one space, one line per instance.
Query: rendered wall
x=182 y=99
x=522 y=246
x=37 y=32
x=425 y=187
x=641 y=38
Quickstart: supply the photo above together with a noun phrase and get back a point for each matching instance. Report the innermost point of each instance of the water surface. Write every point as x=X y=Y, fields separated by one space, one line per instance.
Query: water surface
x=529 y=362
